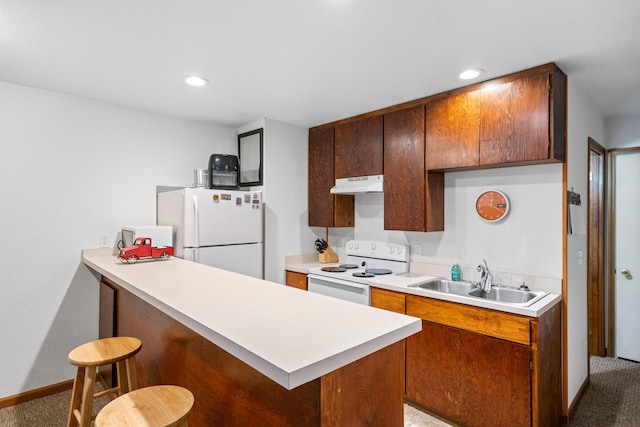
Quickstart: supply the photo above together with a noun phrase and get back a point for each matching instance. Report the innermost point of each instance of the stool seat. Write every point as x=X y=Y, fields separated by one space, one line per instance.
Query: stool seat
x=104 y=351
x=155 y=406
x=88 y=357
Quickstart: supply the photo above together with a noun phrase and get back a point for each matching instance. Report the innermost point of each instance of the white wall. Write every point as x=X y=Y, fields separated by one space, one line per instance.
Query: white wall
x=622 y=132
x=528 y=242
x=584 y=121
x=73 y=169
x=285 y=173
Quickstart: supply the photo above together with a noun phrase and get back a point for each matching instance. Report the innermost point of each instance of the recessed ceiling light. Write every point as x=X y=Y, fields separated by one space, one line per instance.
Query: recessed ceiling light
x=196 y=81
x=471 y=73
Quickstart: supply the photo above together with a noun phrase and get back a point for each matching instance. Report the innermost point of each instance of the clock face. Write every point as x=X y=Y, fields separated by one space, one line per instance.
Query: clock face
x=492 y=205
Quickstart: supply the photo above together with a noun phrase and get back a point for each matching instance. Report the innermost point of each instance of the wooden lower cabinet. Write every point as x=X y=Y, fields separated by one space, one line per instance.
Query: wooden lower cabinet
x=388 y=300
x=296 y=280
x=470 y=378
x=481 y=367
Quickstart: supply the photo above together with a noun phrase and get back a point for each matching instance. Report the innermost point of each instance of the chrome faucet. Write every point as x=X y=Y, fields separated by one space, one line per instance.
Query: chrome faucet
x=485 y=279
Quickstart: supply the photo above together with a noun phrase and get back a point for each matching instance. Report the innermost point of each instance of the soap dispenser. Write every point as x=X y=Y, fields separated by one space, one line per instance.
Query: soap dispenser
x=456 y=272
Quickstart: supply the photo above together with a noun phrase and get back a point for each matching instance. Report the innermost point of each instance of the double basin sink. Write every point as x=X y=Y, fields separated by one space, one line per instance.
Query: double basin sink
x=501 y=294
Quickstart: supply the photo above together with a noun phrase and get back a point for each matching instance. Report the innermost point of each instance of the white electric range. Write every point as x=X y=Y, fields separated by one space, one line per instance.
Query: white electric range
x=364 y=260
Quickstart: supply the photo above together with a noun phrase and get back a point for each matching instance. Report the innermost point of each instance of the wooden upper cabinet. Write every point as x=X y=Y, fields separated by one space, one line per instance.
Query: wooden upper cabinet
x=514 y=121
x=404 y=173
x=359 y=147
x=453 y=131
x=325 y=209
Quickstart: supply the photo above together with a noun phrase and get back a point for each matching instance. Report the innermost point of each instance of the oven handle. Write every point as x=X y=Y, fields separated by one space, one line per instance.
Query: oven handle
x=338 y=281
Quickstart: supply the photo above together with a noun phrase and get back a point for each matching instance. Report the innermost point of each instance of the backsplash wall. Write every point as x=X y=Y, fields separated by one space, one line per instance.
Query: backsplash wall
x=527 y=242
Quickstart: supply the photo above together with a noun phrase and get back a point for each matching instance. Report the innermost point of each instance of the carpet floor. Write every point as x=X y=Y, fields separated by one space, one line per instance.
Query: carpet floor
x=612 y=400
x=613 y=396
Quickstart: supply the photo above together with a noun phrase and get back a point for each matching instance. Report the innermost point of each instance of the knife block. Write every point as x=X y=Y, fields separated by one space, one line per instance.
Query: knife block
x=328 y=256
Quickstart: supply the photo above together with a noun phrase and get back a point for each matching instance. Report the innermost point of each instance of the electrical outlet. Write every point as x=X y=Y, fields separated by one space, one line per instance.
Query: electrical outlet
x=104 y=241
x=417 y=249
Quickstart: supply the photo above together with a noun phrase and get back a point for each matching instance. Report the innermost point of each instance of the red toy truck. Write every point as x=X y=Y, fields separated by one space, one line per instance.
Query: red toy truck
x=142 y=248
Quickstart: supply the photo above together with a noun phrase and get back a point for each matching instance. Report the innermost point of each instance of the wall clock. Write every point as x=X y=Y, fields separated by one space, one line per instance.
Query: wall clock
x=492 y=206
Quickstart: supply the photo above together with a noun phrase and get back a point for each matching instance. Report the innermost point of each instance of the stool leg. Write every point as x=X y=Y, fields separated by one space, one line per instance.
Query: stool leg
x=132 y=373
x=86 y=406
x=123 y=384
x=76 y=397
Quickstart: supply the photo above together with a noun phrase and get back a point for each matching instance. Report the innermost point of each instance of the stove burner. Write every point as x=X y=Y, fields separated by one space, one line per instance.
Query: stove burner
x=334 y=269
x=363 y=274
x=379 y=271
x=348 y=266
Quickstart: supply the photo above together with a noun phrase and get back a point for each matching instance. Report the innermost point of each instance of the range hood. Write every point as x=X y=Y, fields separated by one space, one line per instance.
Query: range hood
x=359 y=184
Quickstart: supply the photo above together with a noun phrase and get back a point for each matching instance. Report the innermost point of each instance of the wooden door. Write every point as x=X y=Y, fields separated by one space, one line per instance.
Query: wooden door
x=496 y=390
x=433 y=369
x=359 y=148
x=595 y=250
x=453 y=131
x=325 y=209
x=514 y=121
x=404 y=173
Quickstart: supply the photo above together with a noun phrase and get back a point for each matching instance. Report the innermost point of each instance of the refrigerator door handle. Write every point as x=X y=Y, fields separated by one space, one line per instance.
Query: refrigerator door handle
x=196 y=222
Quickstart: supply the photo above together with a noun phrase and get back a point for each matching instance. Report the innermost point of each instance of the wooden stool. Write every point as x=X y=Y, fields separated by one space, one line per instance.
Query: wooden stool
x=155 y=406
x=87 y=357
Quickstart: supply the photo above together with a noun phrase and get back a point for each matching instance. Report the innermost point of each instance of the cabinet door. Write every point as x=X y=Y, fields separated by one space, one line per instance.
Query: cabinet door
x=404 y=176
x=514 y=121
x=388 y=300
x=453 y=131
x=496 y=386
x=325 y=209
x=359 y=148
x=296 y=280
x=432 y=370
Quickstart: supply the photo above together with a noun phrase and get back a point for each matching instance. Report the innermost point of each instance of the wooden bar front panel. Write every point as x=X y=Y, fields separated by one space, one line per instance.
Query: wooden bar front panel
x=228 y=392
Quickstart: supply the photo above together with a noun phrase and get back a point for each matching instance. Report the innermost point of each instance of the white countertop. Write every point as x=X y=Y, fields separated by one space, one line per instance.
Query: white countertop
x=289 y=335
x=401 y=283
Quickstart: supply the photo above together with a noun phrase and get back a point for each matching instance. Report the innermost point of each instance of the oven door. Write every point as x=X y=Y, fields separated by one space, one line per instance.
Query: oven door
x=338 y=288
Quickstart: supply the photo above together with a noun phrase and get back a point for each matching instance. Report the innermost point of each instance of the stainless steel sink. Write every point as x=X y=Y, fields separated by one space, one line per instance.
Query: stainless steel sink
x=447 y=286
x=509 y=295
x=500 y=294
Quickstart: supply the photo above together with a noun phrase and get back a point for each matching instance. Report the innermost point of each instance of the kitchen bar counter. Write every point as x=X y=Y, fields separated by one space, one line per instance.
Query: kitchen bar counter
x=290 y=336
x=253 y=351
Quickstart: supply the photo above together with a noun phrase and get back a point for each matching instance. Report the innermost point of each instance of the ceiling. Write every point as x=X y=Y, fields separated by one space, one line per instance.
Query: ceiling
x=313 y=61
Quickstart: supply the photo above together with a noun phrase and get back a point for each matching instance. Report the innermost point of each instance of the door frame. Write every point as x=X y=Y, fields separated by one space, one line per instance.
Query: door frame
x=611 y=253
x=596 y=311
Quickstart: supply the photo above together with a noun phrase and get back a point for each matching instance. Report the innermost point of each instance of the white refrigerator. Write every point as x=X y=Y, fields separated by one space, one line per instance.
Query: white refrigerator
x=220 y=228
